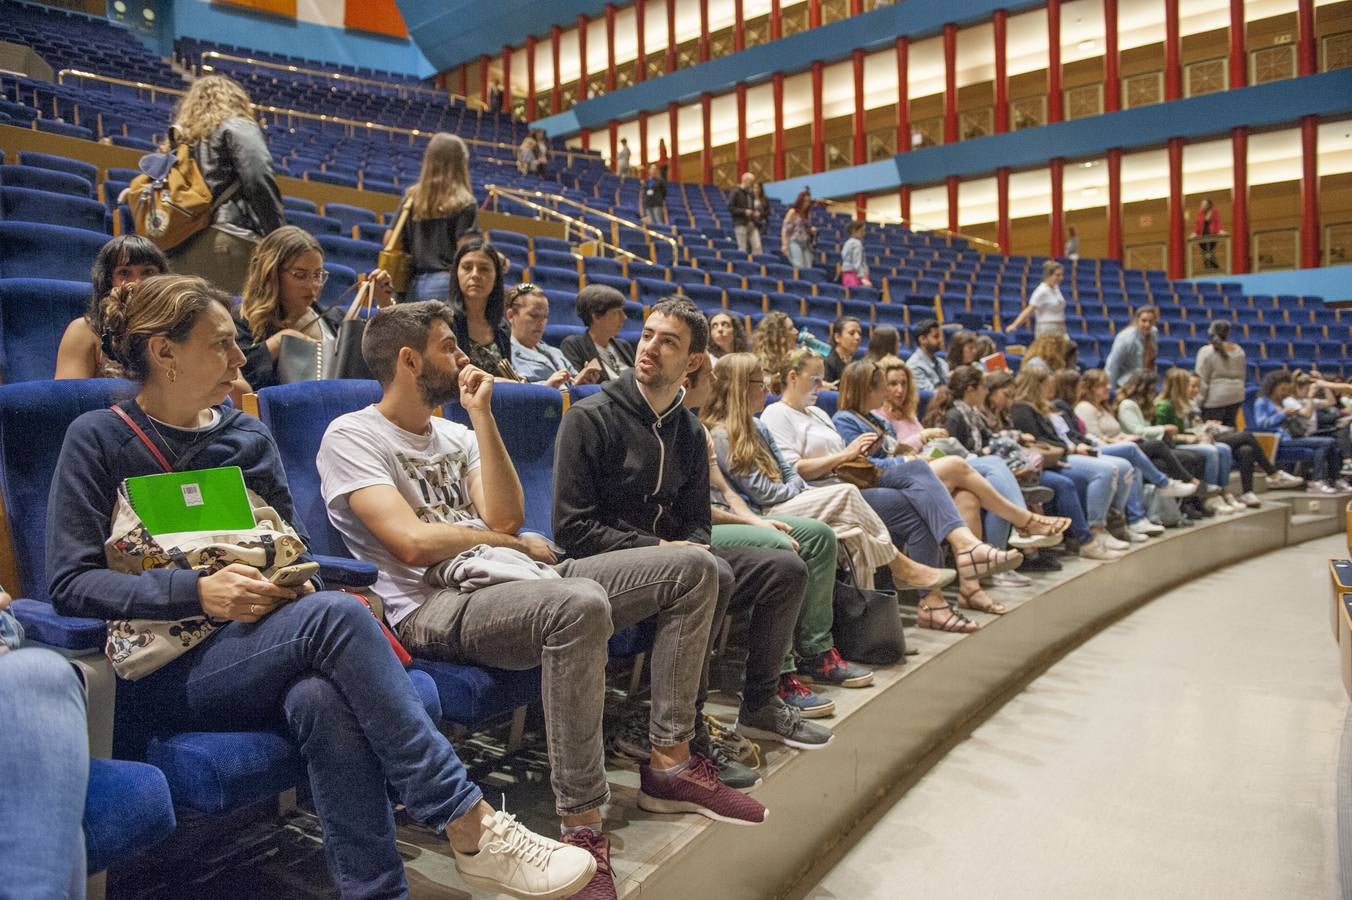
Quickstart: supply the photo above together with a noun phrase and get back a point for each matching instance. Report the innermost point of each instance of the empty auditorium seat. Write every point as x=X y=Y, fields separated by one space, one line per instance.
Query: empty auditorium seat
x=315 y=224
x=30 y=250
x=87 y=171
x=26 y=205
x=360 y=256
x=300 y=204
x=555 y=279
x=349 y=216
x=40 y=179
x=34 y=313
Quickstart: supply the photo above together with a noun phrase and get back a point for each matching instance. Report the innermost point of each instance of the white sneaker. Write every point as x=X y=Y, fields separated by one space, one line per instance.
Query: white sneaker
x=1011 y=580
x=1250 y=499
x=517 y=861
x=1137 y=537
x=1113 y=543
x=1217 y=505
x=1146 y=527
x=1284 y=481
x=1232 y=502
x=1176 y=488
x=1095 y=549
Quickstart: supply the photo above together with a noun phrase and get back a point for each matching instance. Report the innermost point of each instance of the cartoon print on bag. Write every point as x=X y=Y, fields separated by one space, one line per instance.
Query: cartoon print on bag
x=124 y=640
x=190 y=631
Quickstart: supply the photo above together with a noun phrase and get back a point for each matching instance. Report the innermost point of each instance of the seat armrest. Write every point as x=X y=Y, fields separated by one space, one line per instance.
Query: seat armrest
x=44 y=625
x=339 y=570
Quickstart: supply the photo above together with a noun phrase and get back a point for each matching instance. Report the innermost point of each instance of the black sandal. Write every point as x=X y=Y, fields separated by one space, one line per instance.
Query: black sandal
x=955 y=623
x=996 y=561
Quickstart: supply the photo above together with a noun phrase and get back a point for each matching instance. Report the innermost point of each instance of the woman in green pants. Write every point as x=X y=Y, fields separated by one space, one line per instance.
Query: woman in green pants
x=734 y=524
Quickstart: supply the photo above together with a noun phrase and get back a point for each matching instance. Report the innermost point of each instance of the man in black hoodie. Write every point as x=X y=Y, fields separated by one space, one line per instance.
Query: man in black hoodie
x=631 y=470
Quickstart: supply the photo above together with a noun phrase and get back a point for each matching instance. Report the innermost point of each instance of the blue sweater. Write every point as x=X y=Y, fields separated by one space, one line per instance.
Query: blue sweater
x=99 y=452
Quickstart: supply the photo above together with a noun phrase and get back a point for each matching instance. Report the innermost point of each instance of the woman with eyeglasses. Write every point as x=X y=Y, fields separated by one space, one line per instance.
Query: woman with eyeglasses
x=533 y=359
x=281 y=299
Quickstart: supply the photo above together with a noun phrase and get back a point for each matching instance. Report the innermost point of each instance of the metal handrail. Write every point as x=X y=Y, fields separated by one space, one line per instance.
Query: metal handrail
x=516 y=196
x=336 y=76
x=618 y=220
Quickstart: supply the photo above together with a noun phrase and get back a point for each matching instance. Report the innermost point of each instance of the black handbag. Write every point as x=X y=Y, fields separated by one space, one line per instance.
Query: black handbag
x=337 y=357
x=867 y=625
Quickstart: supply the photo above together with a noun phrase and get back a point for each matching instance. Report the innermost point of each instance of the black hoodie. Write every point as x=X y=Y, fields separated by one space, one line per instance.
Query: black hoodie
x=626 y=477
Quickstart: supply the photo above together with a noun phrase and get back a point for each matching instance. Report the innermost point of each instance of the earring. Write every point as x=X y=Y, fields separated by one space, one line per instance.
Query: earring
x=173 y=374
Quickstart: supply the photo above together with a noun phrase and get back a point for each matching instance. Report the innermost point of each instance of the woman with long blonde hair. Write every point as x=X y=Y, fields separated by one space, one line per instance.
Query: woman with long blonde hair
x=281 y=299
x=442 y=213
x=752 y=462
x=216 y=119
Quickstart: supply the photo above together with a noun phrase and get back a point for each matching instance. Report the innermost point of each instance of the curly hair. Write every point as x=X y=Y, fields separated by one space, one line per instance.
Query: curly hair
x=728 y=407
x=262 y=295
x=889 y=364
x=1053 y=349
x=210 y=101
x=775 y=338
x=740 y=344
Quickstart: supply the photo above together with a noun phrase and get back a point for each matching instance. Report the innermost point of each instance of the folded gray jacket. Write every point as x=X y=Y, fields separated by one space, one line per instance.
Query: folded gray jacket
x=482 y=566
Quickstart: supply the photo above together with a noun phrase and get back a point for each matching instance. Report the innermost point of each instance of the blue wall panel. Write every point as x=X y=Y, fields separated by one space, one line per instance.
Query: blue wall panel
x=457 y=31
x=1333 y=284
x=1278 y=103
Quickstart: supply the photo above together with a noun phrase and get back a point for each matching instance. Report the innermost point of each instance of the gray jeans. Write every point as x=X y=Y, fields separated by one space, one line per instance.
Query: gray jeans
x=748 y=238
x=562 y=626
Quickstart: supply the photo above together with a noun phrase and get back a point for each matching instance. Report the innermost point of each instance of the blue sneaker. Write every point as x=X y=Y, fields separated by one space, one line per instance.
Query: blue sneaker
x=799 y=696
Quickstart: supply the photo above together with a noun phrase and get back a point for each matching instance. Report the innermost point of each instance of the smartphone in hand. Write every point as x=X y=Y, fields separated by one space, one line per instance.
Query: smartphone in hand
x=294 y=575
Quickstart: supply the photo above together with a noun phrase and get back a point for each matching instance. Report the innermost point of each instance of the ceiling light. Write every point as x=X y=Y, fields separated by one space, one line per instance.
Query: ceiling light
x=1088 y=165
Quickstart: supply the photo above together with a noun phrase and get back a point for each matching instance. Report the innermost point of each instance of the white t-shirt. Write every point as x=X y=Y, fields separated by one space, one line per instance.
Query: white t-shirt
x=1049 y=305
x=430 y=471
x=801 y=435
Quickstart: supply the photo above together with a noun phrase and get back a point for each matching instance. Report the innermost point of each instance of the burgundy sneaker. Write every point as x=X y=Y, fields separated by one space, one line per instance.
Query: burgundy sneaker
x=697 y=789
x=602 y=885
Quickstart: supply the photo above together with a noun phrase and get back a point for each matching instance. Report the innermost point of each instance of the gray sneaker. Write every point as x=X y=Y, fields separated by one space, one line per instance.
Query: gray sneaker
x=776 y=721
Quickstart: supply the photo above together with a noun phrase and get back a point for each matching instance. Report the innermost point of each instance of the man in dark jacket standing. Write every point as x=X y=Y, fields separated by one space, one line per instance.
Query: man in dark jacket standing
x=631 y=470
x=745 y=215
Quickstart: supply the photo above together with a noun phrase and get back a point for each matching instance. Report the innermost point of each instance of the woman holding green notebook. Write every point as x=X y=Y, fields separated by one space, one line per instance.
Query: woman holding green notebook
x=312 y=662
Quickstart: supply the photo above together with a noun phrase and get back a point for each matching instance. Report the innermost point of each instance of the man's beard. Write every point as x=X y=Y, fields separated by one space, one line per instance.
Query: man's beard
x=437 y=387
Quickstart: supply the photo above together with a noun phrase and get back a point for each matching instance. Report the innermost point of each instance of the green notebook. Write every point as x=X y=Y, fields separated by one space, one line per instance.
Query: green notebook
x=199 y=500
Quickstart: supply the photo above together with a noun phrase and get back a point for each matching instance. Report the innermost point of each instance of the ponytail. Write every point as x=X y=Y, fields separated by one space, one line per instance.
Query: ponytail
x=1219 y=332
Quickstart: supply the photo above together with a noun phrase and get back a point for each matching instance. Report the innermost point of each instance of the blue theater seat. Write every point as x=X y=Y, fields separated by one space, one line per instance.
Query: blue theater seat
x=551 y=278
x=299 y=204
x=29 y=250
x=34 y=313
x=40 y=179
x=315 y=224
x=360 y=256
x=349 y=216
x=128 y=809
x=88 y=171
x=27 y=205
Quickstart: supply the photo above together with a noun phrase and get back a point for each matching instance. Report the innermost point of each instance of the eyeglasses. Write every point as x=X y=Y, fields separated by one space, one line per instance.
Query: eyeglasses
x=319 y=277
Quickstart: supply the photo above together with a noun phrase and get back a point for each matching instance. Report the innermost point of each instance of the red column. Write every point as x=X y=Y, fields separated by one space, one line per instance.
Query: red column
x=641 y=69
x=860 y=201
x=705 y=110
x=1239 y=57
x=483 y=79
x=671 y=36
x=555 y=101
x=903 y=99
x=951 y=84
x=1177 y=267
x=1058 y=171
x=856 y=7
x=1173 y=53
x=741 y=128
x=904 y=195
x=1115 y=204
x=703 y=30
x=673 y=120
x=1112 y=76
x=777 y=150
x=585 y=139
x=1054 y=60
x=531 y=44
x=1305 y=52
x=610 y=47
x=814 y=13
x=860 y=140
x=951 y=182
x=818 y=123
x=464 y=80
x=611 y=126
x=1001 y=73
x=738 y=26
x=643 y=141
x=582 y=60
x=1239 y=205
x=1002 y=209
x=1309 y=192
x=776 y=21
x=506 y=78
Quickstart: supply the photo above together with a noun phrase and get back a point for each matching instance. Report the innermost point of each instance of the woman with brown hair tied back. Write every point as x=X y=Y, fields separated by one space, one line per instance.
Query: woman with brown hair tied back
x=442 y=213
x=215 y=117
x=309 y=663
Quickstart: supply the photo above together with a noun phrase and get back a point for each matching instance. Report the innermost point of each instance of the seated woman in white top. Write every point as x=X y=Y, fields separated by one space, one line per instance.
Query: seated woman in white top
x=1046 y=304
x=532 y=358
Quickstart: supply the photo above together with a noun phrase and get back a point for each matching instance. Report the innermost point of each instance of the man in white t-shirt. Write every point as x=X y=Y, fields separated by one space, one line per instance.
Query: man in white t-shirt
x=408 y=490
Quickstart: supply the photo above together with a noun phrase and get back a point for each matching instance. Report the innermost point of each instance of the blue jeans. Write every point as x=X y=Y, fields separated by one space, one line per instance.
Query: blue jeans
x=1066 y=502
x=430 y=286
x=321 y=668
x=1218 y=461
x=1133 y=454
x=42 y=706
x=996 y=471
x=916 y=508
x=1328 y=461
x=1095 y=478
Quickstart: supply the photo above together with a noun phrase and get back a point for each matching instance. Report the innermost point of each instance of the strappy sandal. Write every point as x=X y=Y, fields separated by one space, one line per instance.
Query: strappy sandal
x=954 y=623
x=1040 y=526
x=967 y=600
x=971 y=569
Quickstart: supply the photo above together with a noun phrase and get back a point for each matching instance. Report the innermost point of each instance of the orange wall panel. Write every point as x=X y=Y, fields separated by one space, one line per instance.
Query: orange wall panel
x=285 y=8
x=379 y=16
